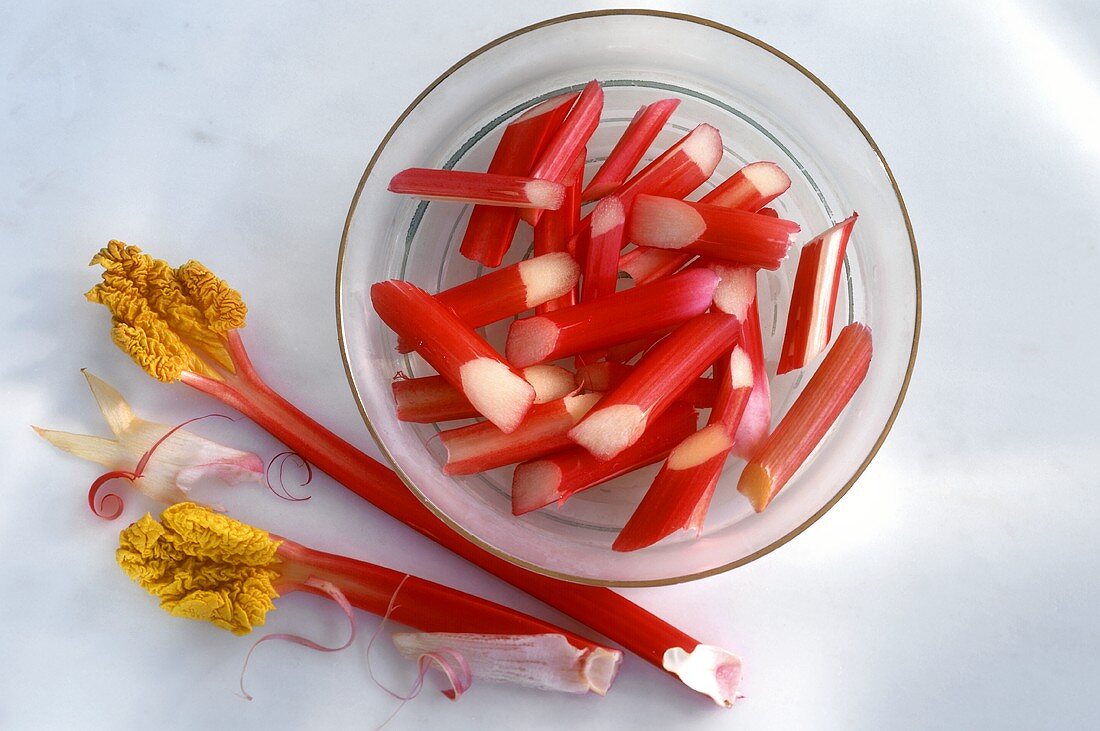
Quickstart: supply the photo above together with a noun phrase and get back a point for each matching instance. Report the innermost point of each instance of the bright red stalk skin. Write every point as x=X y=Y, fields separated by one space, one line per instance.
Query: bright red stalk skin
x=509 y=291
x=804 y=425
x=680 y=169
x=601 y=609
x=631 y=147
x=626 y=352
x=490 y=230
x=556 y=159
x=607 y=376
x=813 y=299
x=489 y=189
x=432 y=399
x=560 y=476
x=617 y=318
x=555 y=229
x=605 y=240
x=710 y=230
x=660 y=377
x=482 y=446
x=450 y=346
x=769 y=212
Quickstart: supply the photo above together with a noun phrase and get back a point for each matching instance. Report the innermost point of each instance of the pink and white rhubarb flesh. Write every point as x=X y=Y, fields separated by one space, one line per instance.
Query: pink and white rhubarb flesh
x=431 y=399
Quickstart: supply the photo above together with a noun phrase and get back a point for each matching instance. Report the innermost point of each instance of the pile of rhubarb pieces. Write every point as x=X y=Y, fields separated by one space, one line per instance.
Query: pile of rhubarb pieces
x=639 y=354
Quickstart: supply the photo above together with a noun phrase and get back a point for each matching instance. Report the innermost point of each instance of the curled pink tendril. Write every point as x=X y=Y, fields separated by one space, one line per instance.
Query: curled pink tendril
x=282 y=493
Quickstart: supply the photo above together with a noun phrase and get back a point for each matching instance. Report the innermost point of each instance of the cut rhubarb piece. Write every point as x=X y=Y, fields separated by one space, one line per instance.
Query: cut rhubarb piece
x=482 y=446
x=555 y=229
x=617 y=318
x=813 y=299
x=450 y=346
x=631 y=147
x=681 y=493
x=757 y=419
x=509 y=291
x=660 y=377
x=605 y=240
x=701 y=228
x=680 y=169
x=557 y=158
x=487 y=189
x=644 y=265
x=607 y=376
x=431 y=398
x=736 y=290
x=750 y=188
x=811 y=415
x=557 y=477
x=491 y=229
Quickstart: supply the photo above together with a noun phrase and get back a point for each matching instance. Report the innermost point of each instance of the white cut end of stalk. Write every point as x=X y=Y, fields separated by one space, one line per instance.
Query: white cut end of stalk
x=608 y=214
x=610 y=430
x=535 y=485
x=496 y=392
x=704 y=147
x=712 y=671
x=708 y=442
x=741 y=375
x=546 y=107
x=767 y=177
x=664 y=223
x=548 y=276
x=545 y=194
x=550 y=382
x=530 y=341
x=578 y=406
x=736 y=289
x=546 y=661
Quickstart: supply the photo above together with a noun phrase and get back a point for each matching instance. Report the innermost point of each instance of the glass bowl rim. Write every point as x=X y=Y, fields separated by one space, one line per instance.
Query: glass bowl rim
x=797 y=530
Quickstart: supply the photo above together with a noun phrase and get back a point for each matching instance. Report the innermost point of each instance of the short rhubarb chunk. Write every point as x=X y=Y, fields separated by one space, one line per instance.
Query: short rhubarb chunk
x=660 y=377
x=563 y=474
x=811 y=415
x=631 y=147
x=487 y=189
x=605 y=240
x=495 y=389
x=432 y=398
x=813 y=299
x=617 y=318
x=701 y=228
x=680 y=169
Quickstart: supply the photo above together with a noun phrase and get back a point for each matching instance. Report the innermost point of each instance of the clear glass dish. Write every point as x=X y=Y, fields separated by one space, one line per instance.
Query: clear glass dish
x=767 y=107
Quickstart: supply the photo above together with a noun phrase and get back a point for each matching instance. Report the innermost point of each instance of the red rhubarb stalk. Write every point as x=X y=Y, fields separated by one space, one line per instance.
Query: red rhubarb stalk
x=482 y=446
x=487 y=189
x=700 y=228
x=617 y=318
x=804 y=425
x=813 y=299
x=555 y=229
x=680 y=169
x=607 y=376
x=490 y=230
x=431 y=398
x=757 y=419
x=631 y=147
x=558 y=477
x=681 y=492
x=660 y=377
x=557 y=158
x=605 y=240
x=509 y=291
x=769 y=212
x=450 y=346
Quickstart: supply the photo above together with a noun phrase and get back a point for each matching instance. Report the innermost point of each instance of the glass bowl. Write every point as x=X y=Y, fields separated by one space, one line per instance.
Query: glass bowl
x=767 y=107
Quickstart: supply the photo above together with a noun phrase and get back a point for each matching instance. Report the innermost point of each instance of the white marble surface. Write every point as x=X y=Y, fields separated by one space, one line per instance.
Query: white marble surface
x=954 y=587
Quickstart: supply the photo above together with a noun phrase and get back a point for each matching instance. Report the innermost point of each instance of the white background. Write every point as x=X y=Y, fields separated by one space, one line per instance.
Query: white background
x=955 y=586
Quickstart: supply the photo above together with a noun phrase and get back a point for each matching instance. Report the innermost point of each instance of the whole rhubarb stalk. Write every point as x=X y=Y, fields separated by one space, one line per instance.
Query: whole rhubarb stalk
x=181 y=324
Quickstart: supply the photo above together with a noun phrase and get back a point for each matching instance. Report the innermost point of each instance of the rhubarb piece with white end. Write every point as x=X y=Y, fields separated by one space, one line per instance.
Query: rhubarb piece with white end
x=631 y=147
x=601 y=252
x=644 y=265
x=617 y=318
x=557 y=158
x=681 y=492
x=490 y=230
x=757 y=419
x=431 y=398
x=607 y=376
x=660 y=377
x=482 y=446
x=811 y=415
x=710 y=670
x=509 y=291
x=555 y=229
x=561 y=475
x=700 y=228
x=680 y=169
x=813 y=298
x=545 y=662
x=736 y=290
x=488 y=189
x=495 y=389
